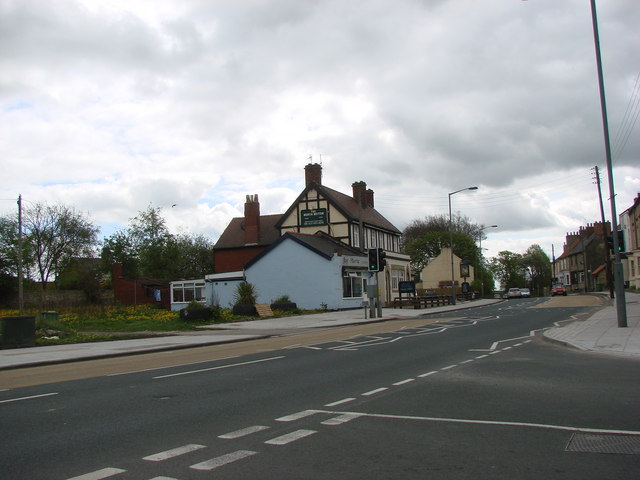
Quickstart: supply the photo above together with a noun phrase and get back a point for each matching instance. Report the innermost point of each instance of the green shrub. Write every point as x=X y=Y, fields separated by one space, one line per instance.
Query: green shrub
x=245 y=294
x=282 y=299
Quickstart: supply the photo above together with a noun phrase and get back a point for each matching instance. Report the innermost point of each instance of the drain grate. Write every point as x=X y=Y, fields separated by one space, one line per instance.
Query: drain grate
x=591 y=443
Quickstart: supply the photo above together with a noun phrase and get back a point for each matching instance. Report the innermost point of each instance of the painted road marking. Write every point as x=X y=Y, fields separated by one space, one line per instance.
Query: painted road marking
x=340 y=402
x=170 y=366
x=290 y=437
x=339 y=420
x=223 y=460
x=243 y=432
x=449 y=367
x=481 y=356
x=174 y=452
x=427 y=374
x=99 y=474
x=28 y=398
x=373 y=392
x=408 y=380
x=296 y=416
x=218 y=368
x=489 y=422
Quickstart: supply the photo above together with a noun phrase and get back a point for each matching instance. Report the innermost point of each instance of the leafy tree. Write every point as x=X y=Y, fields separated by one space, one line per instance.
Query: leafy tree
x=9 y=249
x=147 y=248
x=483 y=278
x=538 y=265
x=429 y=245
x=55 y=234
x=439 y=223
x=508 y=269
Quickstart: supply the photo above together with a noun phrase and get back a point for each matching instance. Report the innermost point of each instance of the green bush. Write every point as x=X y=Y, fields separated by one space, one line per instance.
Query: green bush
x=282 y=299
x=245 y=294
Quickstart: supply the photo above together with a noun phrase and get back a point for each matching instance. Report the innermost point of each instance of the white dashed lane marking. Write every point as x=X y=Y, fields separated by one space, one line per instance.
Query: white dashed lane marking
x=290 y=437
x=100 y=474
x=296 y=416
x=373 y=392
x=243 y=432
x=403 y=382
x=223 y=460
x=339 y=420
x=175 y=452
x=340 y=402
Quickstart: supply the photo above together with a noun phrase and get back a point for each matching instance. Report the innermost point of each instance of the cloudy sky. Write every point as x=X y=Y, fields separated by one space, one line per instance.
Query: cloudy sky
x=113 y=105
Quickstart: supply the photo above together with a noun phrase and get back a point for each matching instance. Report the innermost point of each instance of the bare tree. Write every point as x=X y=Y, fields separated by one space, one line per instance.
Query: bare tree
x=56 y=234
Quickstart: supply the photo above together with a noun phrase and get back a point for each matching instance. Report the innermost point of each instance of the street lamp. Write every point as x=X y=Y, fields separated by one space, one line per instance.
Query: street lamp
x=453 y=278
x=481 y=262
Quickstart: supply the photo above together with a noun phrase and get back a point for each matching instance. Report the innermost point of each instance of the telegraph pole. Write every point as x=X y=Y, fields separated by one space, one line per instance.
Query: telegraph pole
x=20 y=274
x=607 y=258
x=618 y=278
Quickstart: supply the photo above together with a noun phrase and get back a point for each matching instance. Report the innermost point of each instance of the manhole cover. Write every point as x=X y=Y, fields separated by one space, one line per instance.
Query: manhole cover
x=591 y=443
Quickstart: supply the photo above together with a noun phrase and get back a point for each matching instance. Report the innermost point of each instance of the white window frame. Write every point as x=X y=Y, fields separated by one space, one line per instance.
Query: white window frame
x=188 y=290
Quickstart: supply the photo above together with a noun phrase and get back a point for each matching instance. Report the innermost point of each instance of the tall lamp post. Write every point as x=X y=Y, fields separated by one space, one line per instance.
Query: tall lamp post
x=453 y=278
x=481 y=262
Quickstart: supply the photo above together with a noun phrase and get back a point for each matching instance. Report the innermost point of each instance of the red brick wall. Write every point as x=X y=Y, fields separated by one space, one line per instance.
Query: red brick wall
x=234 y=260
x=129 y=291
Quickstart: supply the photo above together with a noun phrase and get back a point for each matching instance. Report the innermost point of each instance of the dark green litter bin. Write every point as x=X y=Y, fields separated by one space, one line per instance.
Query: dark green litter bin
x=18 y=332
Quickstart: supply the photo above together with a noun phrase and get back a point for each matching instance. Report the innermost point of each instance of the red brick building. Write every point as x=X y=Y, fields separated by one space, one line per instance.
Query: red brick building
x=139 y=291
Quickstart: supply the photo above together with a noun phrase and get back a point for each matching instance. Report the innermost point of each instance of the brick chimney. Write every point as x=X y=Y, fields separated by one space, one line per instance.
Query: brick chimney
x=360 y=193
x=369 y=195
x=313 y=173
x=251 y=220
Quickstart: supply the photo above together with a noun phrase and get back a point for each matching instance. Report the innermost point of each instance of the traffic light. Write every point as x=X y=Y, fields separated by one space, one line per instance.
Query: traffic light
x=374 y=260
x=610 y=243
x=621 y=241
x=382 y=259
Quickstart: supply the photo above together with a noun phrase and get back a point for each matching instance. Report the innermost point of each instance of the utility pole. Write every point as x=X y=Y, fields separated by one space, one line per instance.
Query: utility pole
x=607 y=258
x=618 y=278
x=20 y=274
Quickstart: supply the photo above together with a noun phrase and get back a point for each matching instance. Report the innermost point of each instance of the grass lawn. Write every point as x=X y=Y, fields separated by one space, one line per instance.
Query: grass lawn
x=98 y=323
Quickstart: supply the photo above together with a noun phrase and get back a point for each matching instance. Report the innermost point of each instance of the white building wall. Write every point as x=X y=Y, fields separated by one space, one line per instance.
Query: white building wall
x=220 y=289
x=309 y=279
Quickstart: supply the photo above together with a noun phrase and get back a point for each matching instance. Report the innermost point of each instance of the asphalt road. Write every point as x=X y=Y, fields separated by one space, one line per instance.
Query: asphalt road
x=478 y=395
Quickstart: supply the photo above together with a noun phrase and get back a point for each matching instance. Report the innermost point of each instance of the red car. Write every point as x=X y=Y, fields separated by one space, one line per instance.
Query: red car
x=558 y=290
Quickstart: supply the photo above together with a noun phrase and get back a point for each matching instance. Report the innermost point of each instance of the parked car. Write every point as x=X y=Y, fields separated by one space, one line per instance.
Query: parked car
x=558 y=290
x=525 y=292
x=514 y=293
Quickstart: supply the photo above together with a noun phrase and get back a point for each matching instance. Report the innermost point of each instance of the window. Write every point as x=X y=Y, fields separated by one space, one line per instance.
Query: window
x=374 y=239
x=353 y=285
x=184 y=292
x=397 y=276
x=356 y=235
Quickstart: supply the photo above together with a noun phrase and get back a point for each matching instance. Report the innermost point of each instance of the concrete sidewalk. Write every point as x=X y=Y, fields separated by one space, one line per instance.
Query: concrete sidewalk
x=210 y=335
x=598 y=333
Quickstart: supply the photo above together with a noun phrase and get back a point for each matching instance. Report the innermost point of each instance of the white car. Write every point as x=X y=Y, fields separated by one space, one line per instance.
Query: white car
x=525 y=292
x=514 y=293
